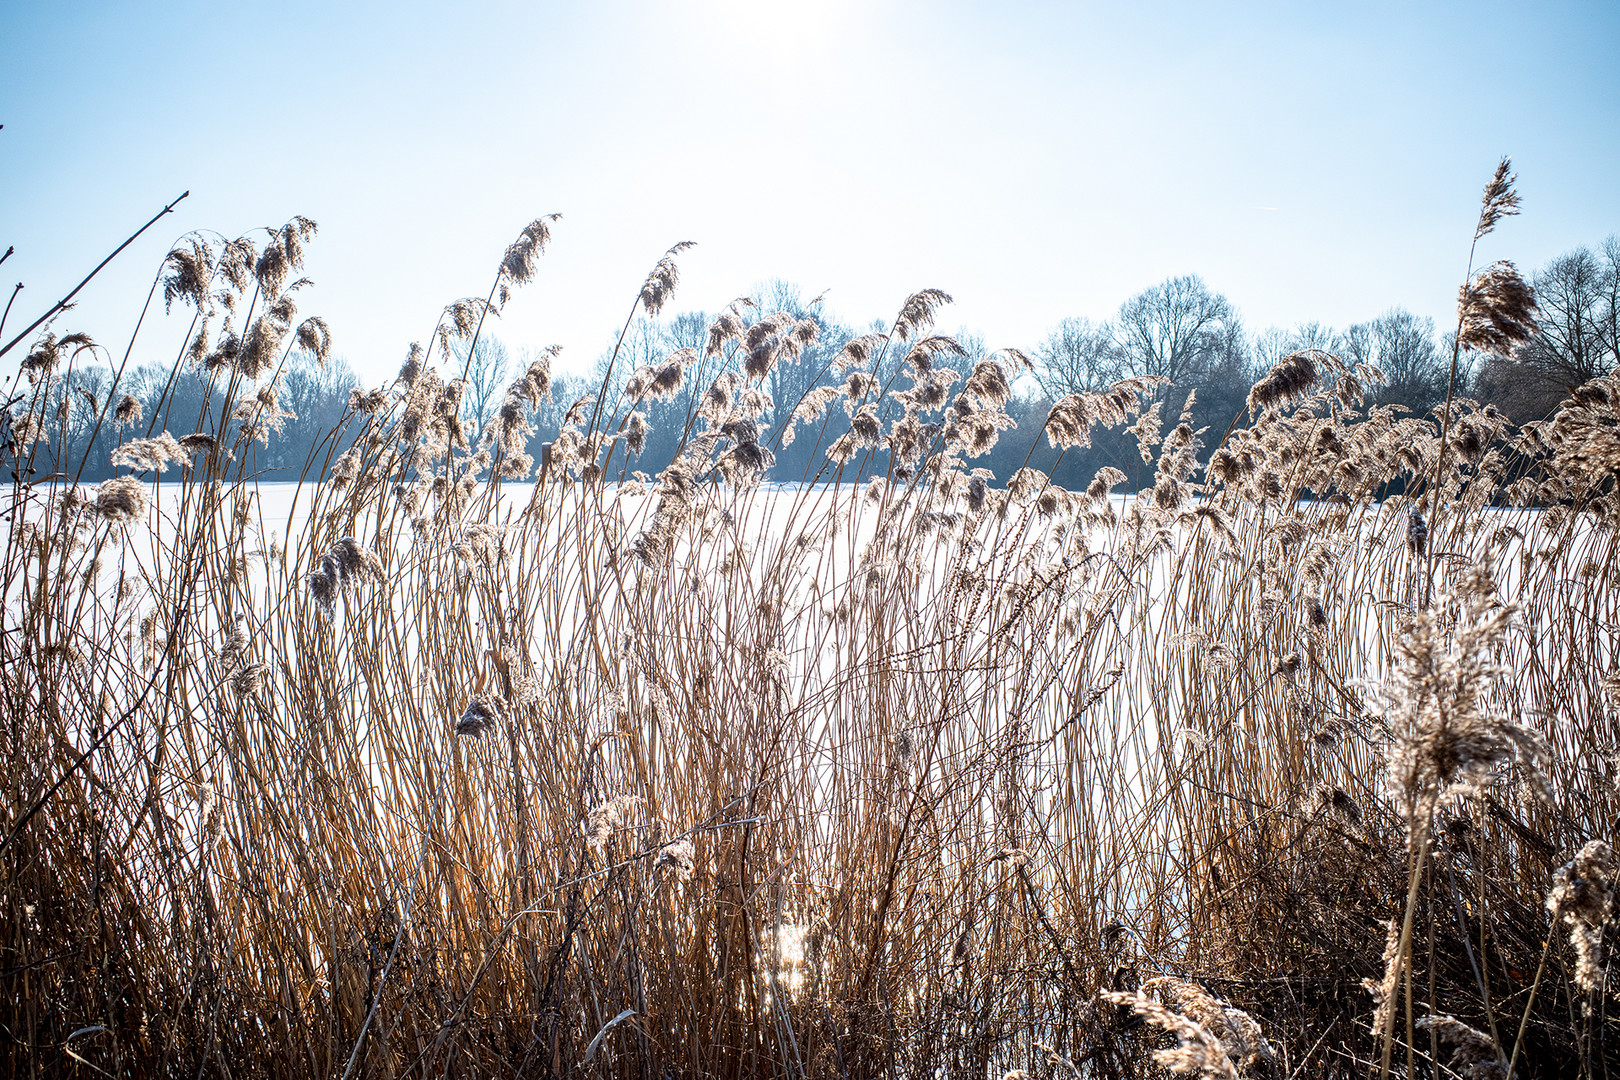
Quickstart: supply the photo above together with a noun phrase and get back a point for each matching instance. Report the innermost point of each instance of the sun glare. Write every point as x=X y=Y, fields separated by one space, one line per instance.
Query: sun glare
x=772 y=33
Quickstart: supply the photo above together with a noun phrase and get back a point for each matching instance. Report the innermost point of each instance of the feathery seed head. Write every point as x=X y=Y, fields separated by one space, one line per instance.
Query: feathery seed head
x=272 y=268
x=667 y=378
x=661 y=282
x=236 y=263
x=866 y=428
x=523 y=254
x=1417 y=531
x=248 y=678
x=1496 y=311
x=857 y=353
x=151 y=454
x=1197 y=1050
x=1146 y=431
x=26 y=430
x=1446 y=734
x=481 y=714
x=605 y=818
x=413 y=365
x=1499 y=200
x=917 y=313
x=188 y=269
x=920 y=357
x=127 y=413
x=1289 y=380
x=635 y=432
x=121 y=499
x=1337 y=800
x=43 y=358
x=1583 y=899
x=988 y=384
x=726 y=328
x=977 y=489
x=1473 y=1054
x=345 y=566
x=679 y=858
x=315 y=338
x=257 y=351
x=857 y=386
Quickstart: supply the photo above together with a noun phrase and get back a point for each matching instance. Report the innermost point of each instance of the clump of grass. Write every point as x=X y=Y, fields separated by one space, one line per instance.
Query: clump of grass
x=498 y=763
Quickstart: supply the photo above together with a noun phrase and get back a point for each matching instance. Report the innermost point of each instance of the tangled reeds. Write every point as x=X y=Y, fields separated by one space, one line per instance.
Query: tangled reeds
x=491 y=765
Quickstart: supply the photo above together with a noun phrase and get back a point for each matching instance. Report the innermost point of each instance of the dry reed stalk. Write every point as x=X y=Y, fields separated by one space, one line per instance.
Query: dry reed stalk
x=817 y=782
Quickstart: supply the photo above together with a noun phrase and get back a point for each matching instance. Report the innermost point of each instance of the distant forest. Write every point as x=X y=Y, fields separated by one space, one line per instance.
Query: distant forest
x=1179 y=329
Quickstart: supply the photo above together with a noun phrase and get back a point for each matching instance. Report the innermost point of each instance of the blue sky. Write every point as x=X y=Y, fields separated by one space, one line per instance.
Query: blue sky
x=1311 y=161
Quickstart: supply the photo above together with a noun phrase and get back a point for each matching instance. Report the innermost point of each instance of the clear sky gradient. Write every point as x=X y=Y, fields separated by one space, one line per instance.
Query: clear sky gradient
x=1310 y=160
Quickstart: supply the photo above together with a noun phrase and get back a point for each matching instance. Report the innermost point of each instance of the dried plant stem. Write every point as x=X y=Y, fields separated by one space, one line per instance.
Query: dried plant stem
x=1403 y=951
x=62 y=304
x=1473 y=960
x=1529 y=1007
x=11 y=300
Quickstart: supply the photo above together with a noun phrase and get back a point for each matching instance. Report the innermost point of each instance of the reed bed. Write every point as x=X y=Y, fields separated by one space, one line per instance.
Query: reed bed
x=1297 y=762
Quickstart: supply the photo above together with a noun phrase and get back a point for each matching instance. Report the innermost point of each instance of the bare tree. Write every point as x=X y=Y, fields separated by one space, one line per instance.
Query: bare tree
x=1178 y=329
x=548 y=415
x=788 y=382
x=68 y=409
x=1577 y=335
x=1577 y=338
x=1078 y=355
x=973 y=351
x=1317 y=335
x=1274 y=343
x=1312 y=334
x=689 y=330
x=317 y=396
x=1608 y=320
x=1403 y=347
x=486 y=375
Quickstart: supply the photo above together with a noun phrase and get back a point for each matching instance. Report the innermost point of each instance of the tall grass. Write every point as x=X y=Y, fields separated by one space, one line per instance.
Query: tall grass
x=496 y=766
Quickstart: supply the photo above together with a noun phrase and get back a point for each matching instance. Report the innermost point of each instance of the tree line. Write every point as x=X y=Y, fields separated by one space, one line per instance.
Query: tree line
x=1179 y=329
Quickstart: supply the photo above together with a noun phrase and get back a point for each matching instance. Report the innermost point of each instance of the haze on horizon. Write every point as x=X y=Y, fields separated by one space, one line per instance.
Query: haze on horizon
x=1037 y=161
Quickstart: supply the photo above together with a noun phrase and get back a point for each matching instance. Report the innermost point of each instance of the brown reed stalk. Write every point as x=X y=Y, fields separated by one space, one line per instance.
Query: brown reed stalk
x=955 y=763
